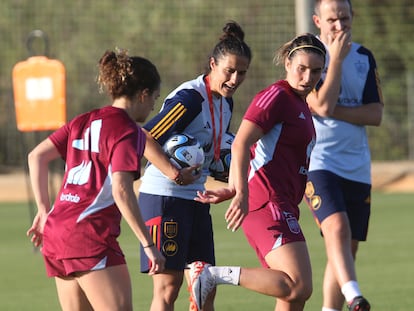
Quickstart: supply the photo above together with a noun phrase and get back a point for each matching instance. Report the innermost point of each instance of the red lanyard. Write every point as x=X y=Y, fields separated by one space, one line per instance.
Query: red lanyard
x=216 y=140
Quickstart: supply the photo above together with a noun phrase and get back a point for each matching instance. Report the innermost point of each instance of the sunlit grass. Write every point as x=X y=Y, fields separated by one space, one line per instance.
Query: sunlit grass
x=384 y=262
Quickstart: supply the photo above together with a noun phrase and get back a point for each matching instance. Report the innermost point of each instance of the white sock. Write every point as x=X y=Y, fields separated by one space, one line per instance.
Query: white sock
x=329 y=309
x=350 y=290
x=226 y=275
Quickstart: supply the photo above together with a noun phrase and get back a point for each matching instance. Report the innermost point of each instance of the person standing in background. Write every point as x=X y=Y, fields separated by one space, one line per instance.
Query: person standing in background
x=339 y=180
x=102 y=150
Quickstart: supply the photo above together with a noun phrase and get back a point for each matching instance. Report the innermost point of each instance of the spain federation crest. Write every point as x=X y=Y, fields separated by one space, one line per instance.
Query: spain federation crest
x=292 y=223
x=170 y=229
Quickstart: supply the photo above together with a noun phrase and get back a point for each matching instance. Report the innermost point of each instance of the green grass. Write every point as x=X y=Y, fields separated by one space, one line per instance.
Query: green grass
x=384 y=265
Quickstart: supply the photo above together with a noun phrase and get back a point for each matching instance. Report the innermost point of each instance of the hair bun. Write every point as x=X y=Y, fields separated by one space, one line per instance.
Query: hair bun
x=232 y=29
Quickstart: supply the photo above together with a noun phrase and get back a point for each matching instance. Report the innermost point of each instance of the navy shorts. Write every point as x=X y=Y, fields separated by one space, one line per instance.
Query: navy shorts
x=327 y=193
x=181 y=229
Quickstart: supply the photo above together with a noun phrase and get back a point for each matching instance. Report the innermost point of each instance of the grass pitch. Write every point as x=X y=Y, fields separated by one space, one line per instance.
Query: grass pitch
x=384 y=264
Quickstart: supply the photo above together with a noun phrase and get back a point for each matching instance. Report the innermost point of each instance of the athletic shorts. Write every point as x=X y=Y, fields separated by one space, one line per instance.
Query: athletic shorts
x=270 y=227
x=181 y=229
x=68 y=267
x=327 y=193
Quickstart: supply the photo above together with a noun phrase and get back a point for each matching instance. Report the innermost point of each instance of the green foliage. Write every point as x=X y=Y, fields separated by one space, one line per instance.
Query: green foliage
x=384 y=27
x=178 y=37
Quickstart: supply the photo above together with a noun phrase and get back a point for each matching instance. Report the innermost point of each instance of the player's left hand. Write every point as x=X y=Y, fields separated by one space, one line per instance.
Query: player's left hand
x=190 y=174
x=236 y=212
x=215 y=196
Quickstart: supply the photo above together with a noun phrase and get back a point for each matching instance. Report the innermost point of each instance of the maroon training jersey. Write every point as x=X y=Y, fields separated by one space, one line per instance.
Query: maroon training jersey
x=280 y=159
x=84 y=220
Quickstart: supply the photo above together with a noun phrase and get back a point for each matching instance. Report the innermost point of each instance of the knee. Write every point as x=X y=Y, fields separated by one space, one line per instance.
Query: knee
x=300 y=292
x=336 y=225
x=168 y=293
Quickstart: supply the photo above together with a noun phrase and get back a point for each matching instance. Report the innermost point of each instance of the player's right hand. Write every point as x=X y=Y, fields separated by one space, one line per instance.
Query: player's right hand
x=36 y=230
x=339 y=45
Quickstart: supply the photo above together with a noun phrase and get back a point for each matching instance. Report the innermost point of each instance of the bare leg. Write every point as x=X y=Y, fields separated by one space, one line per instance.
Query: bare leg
x=165 y=290
x=106 y=289
x=332 y=295
x=289 y=278
x=71 y=296
x=340 y=266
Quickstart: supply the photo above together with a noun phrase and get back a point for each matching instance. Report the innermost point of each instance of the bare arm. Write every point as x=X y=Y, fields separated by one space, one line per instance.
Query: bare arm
x=125 y=199
x=238 y=188
x=368 y=114
x=323 y=101
x=247 y=135
x=38 y=160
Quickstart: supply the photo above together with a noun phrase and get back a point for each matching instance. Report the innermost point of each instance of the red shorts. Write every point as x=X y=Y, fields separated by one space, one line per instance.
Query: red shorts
x=269 y=227
x=67 y=267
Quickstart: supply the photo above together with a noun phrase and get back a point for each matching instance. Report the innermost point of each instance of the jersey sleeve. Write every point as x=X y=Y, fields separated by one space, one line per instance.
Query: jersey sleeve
x=60 y=139
x=176 y=114
x=266 y=109
x=127 y=153
x=372 y=90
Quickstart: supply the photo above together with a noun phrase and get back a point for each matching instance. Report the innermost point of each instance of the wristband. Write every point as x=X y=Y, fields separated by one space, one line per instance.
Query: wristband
x=149 y=245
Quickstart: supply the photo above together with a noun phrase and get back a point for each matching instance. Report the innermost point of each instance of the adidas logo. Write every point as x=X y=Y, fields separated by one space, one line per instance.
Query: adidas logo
x=302 y=116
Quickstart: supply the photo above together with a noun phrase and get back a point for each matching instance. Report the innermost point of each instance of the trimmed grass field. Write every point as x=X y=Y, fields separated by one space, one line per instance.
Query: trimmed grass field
x=384 y=264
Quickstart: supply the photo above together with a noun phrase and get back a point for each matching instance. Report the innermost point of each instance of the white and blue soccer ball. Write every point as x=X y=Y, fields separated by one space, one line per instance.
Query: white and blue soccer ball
x=184 y=150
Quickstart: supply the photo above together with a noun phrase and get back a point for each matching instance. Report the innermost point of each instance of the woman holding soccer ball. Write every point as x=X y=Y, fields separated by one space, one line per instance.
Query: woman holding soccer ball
x=181 y=228
x=268 y=171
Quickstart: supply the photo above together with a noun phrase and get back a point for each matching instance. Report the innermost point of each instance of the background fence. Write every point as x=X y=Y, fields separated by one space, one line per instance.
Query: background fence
x=178 y=37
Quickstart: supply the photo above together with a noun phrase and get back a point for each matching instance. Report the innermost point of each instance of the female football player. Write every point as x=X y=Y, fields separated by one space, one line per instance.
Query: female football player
x=102 y=151
x=181 y=228
x=270 y=158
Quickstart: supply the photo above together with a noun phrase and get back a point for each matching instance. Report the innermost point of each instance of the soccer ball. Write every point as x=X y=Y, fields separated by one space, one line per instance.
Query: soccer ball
x=184 y=150
x=220 y=169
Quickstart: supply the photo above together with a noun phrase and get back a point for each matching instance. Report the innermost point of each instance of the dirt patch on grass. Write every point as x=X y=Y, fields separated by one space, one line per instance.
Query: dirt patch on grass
x=386 y=177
